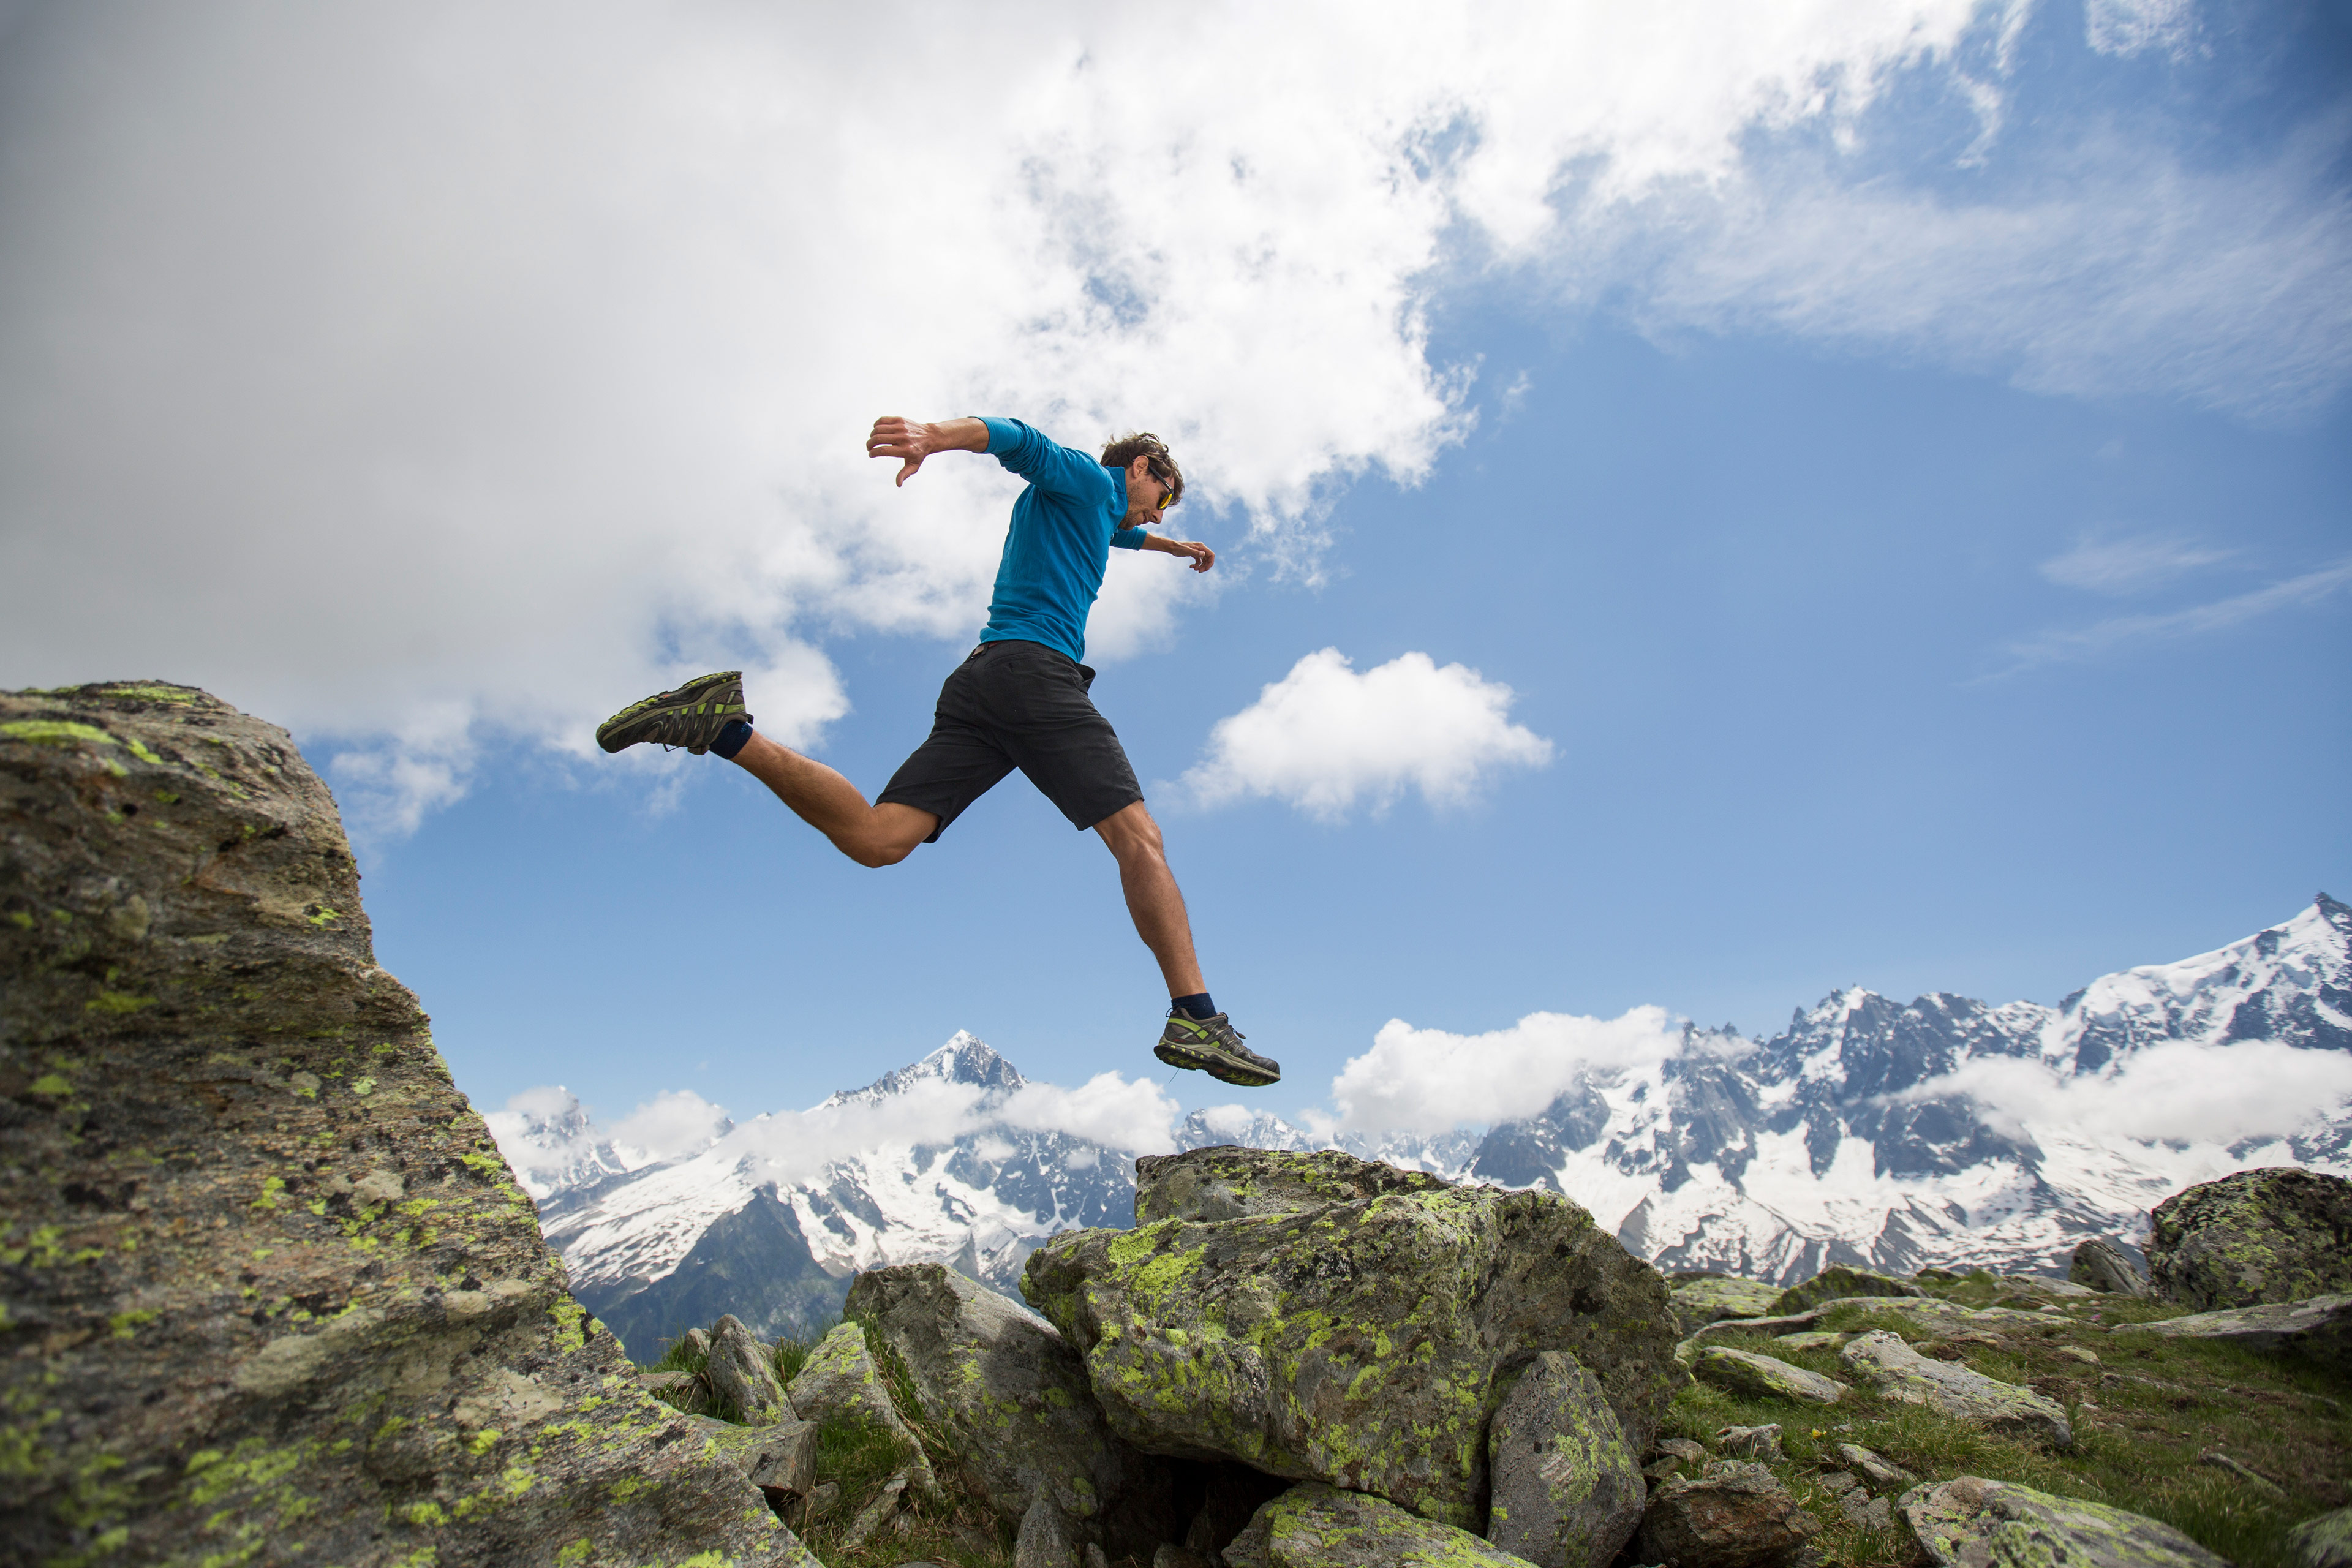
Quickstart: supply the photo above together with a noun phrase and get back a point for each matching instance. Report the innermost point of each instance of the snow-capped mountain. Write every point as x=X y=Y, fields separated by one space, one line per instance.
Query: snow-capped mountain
x=1895 y=1136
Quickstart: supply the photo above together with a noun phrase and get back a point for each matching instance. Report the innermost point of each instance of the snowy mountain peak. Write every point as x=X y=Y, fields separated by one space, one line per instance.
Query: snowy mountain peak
x=548 y=1139
x=965 y=1058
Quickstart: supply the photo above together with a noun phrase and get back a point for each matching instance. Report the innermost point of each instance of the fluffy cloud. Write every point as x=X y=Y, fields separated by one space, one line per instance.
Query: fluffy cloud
x=2128 y=565
x=674 y=1122
x=408 y=373
x=2176 y=1092
x=1429 y=1080
x=1324 y=737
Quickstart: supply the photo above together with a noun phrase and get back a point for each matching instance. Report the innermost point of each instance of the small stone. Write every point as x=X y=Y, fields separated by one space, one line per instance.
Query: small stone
x=1882 y=1475
x=1969 y=1523
x=1172 y=1555
x=2103 y=1266
x=1750 y=1442
x=1900 y=1372
x=1316 y=1526
x=741 y=1371
x=2323 y=1543
x=1682 y=1449
x=1811 y=1340
x=1765 y=1377
x=697 y=1342
x=1735 y=1516
x=2078 y=1352
x=2260 y=1483
x=879 y=1512
x=822 y=1499
x=1046 y=1539
x=785 y=1470
x=1095 y=1558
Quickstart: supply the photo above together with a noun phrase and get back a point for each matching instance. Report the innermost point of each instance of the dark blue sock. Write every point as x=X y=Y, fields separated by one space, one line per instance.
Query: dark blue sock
x=1199 y=1009
x=732 y=738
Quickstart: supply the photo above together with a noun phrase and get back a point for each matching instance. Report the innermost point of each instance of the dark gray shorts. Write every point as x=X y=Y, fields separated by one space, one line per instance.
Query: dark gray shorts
x=1017 y=705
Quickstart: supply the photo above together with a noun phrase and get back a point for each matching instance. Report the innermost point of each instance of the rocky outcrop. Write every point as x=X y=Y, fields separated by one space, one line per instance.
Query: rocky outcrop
x=2320 y=1327
x=840 y=1379
x=1835 y=1283
x=1316 y=1526
x=1567 y=1492
x=1969 y=1523
x=2323 y=1543
x=271 y=1289
x=1764 y=1377
x=1897 y=1371
x=2102 y=1265
x=1732 y=1515
x=1274 y=1317
x=1012 y=1399
x=2256 y=1237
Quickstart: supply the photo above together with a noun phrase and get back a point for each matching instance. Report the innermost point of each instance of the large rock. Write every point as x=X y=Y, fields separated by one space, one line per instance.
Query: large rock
x=2320 y=1327
x=1838 y=1282
x=1764 y=1376
x=741 y=1372
x=1009 y=1393
x=2323 y=1543
x=2103 y=1266
x=272 y=1292
x=1568 y=1490
x=1732 y=1515
x=1975 y=1524
x=1899 y=1372
x=840 y=1379
x=1356 y=1340
x=1703 y=1298
x=2280 y=1234
x=1316 y=1526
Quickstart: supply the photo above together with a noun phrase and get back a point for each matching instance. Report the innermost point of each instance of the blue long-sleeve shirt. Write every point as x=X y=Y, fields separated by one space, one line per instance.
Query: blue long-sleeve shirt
x=1063 y=528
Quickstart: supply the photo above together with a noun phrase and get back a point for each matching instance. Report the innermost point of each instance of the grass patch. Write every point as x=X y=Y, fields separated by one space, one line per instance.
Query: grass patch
x=2142 y=1415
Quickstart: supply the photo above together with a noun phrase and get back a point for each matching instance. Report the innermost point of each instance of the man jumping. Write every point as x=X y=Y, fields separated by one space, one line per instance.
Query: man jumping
x=1018 y=701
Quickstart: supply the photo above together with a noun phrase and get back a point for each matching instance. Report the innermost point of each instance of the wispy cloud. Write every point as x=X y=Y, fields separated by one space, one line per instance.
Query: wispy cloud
x=1325 y=738
x=2128 y=566
x=2120 y=631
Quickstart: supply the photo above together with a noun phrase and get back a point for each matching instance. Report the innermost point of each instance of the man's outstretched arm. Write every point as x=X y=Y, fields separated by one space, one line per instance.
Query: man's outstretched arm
x=911 y=441
x=1199 y=554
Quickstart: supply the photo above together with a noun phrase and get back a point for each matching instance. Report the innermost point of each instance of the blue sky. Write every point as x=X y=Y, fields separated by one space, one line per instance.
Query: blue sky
x=1901 y=481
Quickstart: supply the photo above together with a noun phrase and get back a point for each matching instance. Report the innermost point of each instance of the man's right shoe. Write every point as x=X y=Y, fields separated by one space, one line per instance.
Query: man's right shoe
x=1213 y=1046
x=691 y=716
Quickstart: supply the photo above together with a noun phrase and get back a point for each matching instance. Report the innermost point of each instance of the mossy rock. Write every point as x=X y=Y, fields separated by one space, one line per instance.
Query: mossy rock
x=1970 y=1523
x=2253 y=1238
x=1318 y=1526
x=1836 y=1283
x=1703 y=1298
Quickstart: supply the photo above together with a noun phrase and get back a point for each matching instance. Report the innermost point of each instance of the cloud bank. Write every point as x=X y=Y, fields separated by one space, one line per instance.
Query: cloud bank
x=1324 y=737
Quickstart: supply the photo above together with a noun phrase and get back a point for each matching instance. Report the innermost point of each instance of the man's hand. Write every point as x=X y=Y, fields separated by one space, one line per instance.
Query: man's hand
x=911 y=441
x=1200 y=555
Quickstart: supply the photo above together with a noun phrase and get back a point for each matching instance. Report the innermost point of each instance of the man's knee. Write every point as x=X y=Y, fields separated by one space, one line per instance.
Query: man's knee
x=1131 y=832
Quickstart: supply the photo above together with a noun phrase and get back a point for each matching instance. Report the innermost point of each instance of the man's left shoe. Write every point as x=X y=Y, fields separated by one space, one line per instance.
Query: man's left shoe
x=691 y=716
x=1213 y=1046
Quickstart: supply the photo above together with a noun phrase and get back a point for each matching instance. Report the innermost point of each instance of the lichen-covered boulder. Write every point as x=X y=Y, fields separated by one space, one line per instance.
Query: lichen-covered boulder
x=2323 y=1543
x=1318 y=1526
x=1568 y=1490
x=1764 y=1376
x=1838 y=1282
x=1010 y=1395
x=2258 y=1236
x=273 y=1294
x=1703 y=1298
x=1899 y=1372
x=740 y=1371
x=2319 y=1327
x=2103 y=1266
x=1731 y=1515
x=1969 y=1523
x=840 y=1379
x=1353 y=1341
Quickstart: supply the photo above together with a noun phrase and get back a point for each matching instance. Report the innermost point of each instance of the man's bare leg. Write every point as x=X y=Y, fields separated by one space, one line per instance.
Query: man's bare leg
x=1152 y=896
x=870 y=835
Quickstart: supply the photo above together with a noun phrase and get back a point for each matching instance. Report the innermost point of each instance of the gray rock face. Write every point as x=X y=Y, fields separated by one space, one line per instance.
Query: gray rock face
x=1764 y=1376
x=279 y=1293
x=2256 y=1237
x=1046 y=1539
x=1974 y=1523
x=1355 y=1341
x=740 y=1370
x=1316 y=1526
x=1009 y=1391
x=2320 y=1327
x=839 y=1378
x=1734 y=1515
x=1566 y=1490
x=1837 y=1283
x=2323 y=1543
x=2103 y=1266
x=1898 y=1372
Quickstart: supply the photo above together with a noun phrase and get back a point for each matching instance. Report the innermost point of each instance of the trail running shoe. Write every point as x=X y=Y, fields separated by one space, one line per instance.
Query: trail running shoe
x=1214 y=1046
x=691 y=716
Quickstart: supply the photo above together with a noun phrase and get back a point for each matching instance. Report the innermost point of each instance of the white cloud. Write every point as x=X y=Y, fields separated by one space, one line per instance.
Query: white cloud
x=2128 y=565
x=2176 y=1091
x=674 y=1122
x=2103 y=637
x=1133 y=1116
x=1324 y=737
x=2128 y=27
x=1431 y=1081
x=411 y=373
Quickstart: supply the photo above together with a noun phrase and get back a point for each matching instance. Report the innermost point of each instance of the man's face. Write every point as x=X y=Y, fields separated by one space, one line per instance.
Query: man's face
x=1147 y=494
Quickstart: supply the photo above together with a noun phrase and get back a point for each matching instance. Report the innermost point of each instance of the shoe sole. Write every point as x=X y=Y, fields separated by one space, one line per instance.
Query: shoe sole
x=686 y=697
x=1218 y=1064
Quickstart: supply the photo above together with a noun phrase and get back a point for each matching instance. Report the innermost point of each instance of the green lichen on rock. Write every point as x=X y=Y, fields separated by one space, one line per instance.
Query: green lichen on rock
x=1764 y=1377
x=2252 y=1238
x=1319 y=1526
x=1970 y=1523
x=1703 y=1298
x=1567 y=1487
x=840 y=1378
x=1897 y=1371
x=256 y=1313
x=2323 y=1543
x=1838 y=1283
x=1353 y=1341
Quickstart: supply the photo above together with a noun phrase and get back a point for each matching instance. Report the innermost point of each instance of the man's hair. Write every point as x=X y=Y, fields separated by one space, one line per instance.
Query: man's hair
x=1127 y=448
